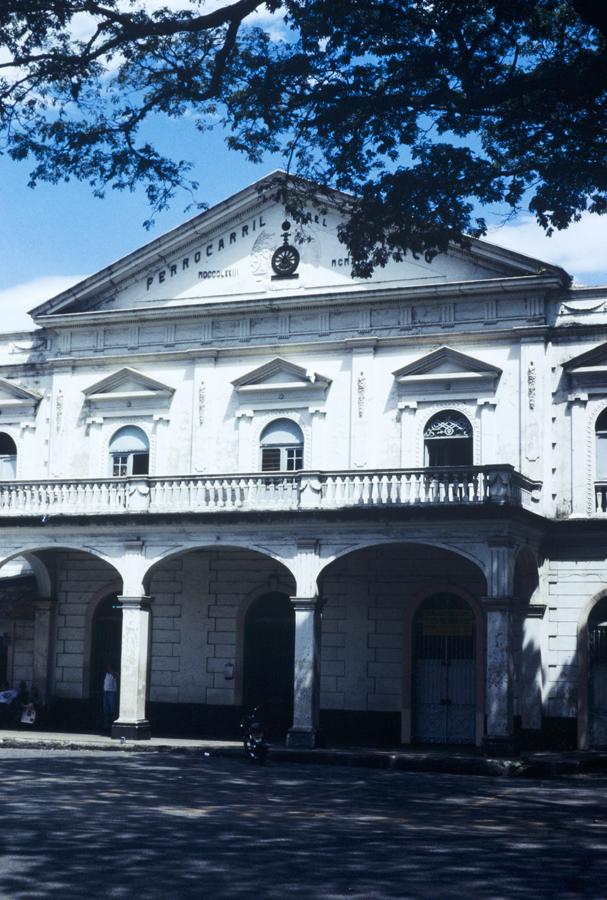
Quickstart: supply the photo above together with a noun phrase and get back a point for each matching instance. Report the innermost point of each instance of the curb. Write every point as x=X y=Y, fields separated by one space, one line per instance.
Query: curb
x=531 y=766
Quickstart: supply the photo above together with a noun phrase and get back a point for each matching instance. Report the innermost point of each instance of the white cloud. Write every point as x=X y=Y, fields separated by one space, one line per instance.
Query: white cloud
x=580 y=249
x=15 y=301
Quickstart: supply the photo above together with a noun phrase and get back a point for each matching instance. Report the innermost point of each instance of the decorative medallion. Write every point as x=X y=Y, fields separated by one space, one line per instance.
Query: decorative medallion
x=360 y=388
x=286 y=258
x=202 y=402
x=59 y=410
x=531 y=379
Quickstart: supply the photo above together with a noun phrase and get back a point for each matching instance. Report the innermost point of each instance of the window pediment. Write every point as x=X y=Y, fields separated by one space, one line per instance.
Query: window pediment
x=447 y=372
x=15 y=399
x=588 y=370
x=128 y=389
x=278 y=379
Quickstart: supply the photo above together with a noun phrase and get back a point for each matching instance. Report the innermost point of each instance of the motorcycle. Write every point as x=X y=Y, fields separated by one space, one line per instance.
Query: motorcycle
x=253 y=739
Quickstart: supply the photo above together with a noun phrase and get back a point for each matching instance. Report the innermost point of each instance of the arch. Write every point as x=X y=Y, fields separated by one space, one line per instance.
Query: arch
x=113 y=588
x=600 y=446
x=585 y=737
x=281 y=444
x=462 y=574
x=105 y=648
x=369 y=544
x=57 y=548
x=261 y=419
x=129 y=449
x=411 y=611
x=268 y=659
x=448 y=439
x=278 y=582
x=216 y=545
x=8 y=457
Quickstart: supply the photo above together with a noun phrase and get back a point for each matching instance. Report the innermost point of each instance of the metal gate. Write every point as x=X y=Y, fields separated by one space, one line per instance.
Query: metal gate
x=444 y=671
x=597 y=671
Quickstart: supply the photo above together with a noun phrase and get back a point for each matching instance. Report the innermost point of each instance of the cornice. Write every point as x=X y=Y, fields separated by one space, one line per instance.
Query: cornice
x=486 y=287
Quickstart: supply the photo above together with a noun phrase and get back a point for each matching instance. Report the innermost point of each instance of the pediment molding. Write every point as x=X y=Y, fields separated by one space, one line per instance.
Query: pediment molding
x=15 y=399
x=128 y=388
x=588 y=371
x=447 y=373
x=280 y=375
x=280 y=383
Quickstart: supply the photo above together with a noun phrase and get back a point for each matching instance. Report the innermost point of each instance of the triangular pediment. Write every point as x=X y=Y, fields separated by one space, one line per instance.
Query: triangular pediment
x=283 y=376
x=448 y=370
x=591 y=359
x=15 y=398
x=127 y=385
x=228 y=254
x=589 y=369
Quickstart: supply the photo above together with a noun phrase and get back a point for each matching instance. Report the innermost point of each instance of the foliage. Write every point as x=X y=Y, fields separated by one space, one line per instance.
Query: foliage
x=423 y=109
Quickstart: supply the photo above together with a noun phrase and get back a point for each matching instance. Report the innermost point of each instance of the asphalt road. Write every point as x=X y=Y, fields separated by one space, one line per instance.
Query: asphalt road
x=160 y=825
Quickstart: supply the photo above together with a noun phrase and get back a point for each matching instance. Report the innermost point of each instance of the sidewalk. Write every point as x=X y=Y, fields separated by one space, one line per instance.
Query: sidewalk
x=452 y=761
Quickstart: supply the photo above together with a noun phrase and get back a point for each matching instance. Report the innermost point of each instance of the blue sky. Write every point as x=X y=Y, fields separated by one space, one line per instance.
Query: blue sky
x=53 y=235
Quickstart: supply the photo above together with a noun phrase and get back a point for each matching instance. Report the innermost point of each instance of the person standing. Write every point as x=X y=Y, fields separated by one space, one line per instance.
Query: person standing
x=110 y=697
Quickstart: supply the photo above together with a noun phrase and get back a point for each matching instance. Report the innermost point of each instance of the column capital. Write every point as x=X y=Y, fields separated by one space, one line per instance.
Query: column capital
x=307 y=603
x=138 y=602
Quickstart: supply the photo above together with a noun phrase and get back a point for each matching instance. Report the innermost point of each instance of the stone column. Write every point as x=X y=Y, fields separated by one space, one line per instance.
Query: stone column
x=43 y=620
x=131 y=722
x=306 y=681
x=531 y=667
x=499 y=738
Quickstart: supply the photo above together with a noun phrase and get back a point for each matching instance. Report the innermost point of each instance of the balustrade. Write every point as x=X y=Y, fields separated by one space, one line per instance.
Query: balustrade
x=298 y=490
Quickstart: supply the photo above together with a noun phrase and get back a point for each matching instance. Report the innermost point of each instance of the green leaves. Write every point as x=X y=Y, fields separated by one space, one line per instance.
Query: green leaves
x=425 y=109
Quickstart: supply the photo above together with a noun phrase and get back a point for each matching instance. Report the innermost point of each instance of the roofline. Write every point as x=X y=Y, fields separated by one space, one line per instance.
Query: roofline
x=115 y=271
x=170 y=241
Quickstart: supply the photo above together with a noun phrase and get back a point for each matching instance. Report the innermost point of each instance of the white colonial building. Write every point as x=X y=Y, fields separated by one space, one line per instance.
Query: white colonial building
x=377 y=508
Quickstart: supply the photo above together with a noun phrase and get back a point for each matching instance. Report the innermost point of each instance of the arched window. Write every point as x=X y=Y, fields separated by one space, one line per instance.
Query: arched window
x=448 y=440
x=600 y=431
x=8 y=458
x=281 y=447
x=130 y=452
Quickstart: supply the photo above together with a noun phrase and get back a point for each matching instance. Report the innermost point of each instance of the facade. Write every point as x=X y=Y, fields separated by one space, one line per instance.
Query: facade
x=377 y=508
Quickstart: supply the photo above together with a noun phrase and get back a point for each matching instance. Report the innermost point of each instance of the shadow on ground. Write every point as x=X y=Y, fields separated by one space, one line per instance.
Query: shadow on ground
x=79 y=825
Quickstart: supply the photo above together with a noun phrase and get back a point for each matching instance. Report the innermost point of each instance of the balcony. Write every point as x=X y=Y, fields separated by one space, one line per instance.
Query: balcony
x=305 y=490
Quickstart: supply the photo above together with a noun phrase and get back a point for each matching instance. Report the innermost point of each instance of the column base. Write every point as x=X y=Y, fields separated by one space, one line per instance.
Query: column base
x=500 y=746
x=305 y=738
x=132 y=731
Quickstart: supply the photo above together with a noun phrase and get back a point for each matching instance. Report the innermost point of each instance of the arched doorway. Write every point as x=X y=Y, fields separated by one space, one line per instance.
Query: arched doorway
x=448 y=440
x=269 y=638
x=444 y=671
x=106 y=647
x=597 y=674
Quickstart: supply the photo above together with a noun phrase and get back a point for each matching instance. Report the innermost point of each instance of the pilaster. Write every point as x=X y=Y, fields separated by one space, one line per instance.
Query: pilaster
x=44 y=612
x=579 y=473
x=531 y=667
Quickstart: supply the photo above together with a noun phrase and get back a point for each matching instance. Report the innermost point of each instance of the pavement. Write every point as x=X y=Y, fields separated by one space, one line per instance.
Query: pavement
x=455 y=761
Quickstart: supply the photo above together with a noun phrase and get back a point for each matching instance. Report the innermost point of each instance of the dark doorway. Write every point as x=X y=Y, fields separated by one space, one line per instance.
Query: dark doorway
x=597 y=670
x=269 y=637
x=106 y=646
x=444 y=671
